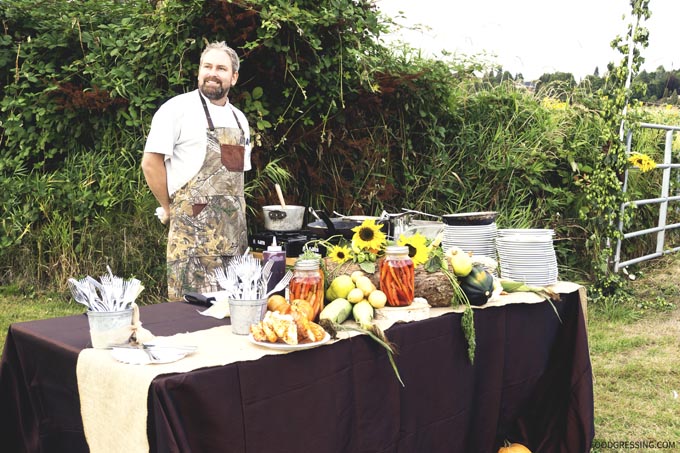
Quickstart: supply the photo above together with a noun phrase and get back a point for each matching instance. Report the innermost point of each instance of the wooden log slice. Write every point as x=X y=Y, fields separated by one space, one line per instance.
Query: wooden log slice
x=433 y=286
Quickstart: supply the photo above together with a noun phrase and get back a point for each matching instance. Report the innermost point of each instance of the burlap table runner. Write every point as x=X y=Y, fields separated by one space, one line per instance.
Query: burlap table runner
x=113 y=395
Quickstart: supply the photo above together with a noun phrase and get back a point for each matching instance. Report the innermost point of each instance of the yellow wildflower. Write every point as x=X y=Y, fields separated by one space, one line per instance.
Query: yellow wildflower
x=642 y=161
x=554 y=104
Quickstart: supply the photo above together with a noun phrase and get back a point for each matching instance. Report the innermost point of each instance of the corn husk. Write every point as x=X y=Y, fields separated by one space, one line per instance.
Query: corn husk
x=512 y=286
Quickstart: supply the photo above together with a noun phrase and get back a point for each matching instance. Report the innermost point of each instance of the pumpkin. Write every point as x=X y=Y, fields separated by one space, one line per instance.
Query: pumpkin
x=513 y=448
x=278 y=303
x=477 y=285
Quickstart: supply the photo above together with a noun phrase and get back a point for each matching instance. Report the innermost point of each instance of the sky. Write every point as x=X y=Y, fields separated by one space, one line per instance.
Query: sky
x=533 y=37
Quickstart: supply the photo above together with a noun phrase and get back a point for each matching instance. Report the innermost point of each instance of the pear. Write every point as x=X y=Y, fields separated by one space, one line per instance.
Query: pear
x=356 y=274
x=365 y=284
x=377 y=299
x=341 y=286
x=355 y=296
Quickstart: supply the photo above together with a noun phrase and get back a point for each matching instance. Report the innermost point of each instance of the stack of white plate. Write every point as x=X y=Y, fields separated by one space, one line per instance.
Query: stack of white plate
x=527 y=255
x=478 y=239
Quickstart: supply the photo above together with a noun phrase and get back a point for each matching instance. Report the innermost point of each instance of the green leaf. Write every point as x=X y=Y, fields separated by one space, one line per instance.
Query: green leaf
x=368 y=267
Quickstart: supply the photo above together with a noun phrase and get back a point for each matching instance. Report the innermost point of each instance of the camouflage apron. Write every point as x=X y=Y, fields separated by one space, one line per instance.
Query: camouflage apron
x=208 y=223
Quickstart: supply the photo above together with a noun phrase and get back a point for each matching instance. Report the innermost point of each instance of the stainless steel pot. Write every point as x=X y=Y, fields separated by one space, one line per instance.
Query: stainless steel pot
x=283 y=218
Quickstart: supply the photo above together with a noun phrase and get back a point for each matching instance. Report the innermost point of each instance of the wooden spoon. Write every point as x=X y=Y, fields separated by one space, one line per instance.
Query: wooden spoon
x=280 y=194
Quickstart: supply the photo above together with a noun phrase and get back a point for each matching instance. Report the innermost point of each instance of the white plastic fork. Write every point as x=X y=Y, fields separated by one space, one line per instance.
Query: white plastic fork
x=77 y=293
x=227 y=280
x=131 y=289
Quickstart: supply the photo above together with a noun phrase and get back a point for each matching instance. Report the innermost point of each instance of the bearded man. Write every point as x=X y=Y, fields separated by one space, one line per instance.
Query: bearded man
x=196 y=153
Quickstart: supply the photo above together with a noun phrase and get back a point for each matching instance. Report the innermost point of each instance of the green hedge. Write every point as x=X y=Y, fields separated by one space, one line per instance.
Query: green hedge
x=342 y=122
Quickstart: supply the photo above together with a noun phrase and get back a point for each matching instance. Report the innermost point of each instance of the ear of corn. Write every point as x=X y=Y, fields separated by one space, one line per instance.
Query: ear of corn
x=511 y=286
x=337 y=311
x=363 y=314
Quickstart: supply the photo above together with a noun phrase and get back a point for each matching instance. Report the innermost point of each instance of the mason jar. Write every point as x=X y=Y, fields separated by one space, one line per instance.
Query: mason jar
x=307 y=284
x=397 y=276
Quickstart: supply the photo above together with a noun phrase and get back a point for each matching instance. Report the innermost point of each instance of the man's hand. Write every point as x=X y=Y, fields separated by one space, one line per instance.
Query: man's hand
x=153 y=166
x=162 y=215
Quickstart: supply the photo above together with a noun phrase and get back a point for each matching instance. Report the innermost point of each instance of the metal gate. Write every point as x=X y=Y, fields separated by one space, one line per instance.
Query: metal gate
x=663 y=201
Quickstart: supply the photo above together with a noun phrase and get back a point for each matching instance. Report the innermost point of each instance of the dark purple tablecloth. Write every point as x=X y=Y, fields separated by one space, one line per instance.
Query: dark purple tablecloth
x=531 y=383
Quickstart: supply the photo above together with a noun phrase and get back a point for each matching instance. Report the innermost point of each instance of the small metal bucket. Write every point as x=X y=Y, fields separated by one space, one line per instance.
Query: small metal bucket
x=108 y=328
x=244 y=313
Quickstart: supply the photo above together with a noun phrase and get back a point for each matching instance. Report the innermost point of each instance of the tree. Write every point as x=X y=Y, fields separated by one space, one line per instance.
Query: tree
x=559 y=84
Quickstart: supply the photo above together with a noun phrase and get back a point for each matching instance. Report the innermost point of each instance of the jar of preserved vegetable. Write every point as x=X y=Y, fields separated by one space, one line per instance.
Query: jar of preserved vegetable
x=307 y=283
x=397 y=276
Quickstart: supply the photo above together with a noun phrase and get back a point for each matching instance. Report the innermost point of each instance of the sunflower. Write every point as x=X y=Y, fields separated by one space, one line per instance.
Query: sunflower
x=368 y=235
x=340 y=254
x=418 y=249
x=642 y=161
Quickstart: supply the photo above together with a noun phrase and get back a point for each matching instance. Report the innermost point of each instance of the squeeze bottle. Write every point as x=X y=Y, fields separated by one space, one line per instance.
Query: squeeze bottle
x=276 y=254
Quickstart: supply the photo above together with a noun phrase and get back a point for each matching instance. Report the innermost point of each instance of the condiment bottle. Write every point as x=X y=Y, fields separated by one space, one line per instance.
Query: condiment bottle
x=397 y=276
x=276 y=254
x=307 y=283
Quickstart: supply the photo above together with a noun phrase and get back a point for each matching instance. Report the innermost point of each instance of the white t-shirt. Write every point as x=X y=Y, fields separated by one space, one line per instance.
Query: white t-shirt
x=178 y=131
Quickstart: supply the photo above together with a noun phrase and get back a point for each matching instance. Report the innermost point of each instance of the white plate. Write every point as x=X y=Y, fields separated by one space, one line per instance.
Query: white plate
x=534 y=260
x=523 y=238
x=164 y=354
x=289 y=347
x=529 y=231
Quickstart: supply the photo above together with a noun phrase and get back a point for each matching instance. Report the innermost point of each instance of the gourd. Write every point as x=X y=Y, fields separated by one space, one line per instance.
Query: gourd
x=513 y=448
x=477 y=285
x=461 y=262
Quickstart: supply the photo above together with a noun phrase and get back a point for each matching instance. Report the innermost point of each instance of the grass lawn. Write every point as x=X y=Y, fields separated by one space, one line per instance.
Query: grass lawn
x=16 y=308
x=635 y=352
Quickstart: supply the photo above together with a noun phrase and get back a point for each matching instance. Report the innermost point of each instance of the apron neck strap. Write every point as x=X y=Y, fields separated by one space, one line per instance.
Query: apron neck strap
x=211 y=126
x=207 y=112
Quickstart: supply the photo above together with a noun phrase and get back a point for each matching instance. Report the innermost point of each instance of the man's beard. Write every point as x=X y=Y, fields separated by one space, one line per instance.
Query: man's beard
x=214 y=92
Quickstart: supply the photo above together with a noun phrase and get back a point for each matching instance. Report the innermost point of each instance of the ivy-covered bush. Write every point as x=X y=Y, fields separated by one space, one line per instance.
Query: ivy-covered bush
x=341 y=121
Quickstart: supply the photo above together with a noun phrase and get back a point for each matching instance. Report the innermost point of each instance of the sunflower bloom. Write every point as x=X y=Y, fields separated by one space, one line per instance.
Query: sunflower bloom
x=418 y=249
x=368 y=235
x=340 y=254
x=642 y=161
